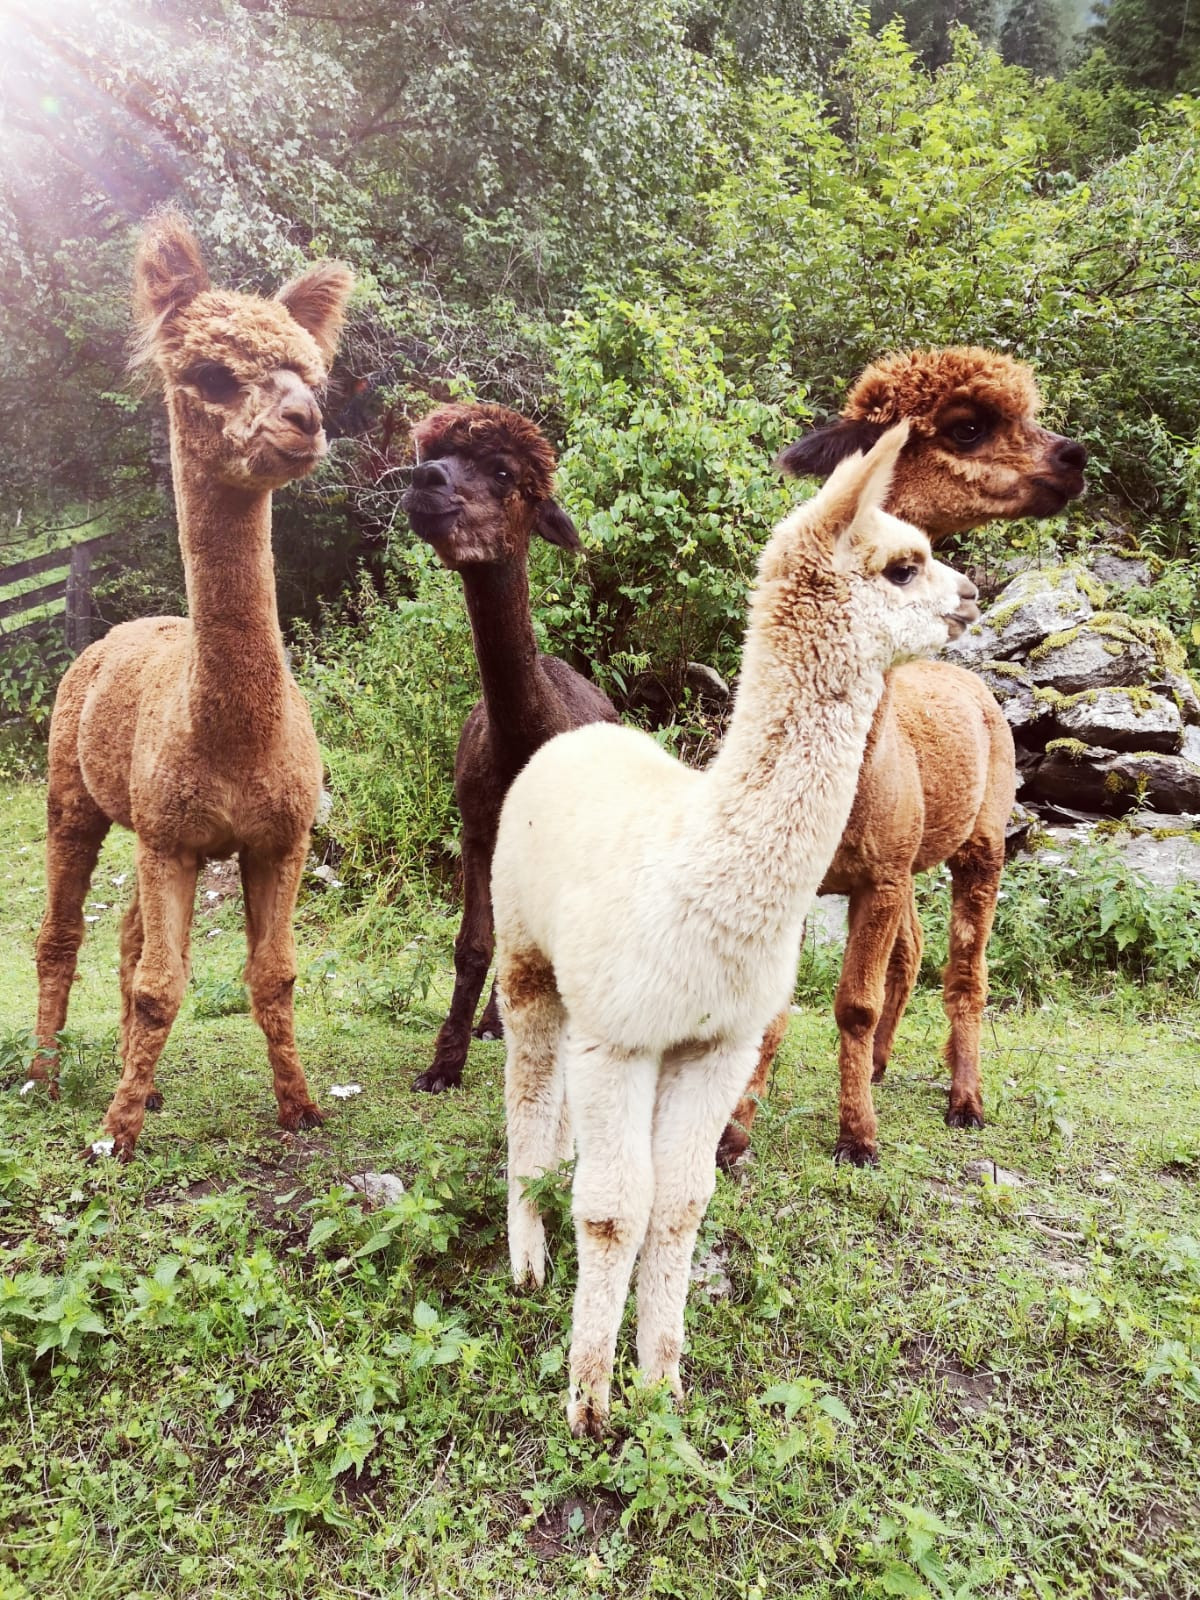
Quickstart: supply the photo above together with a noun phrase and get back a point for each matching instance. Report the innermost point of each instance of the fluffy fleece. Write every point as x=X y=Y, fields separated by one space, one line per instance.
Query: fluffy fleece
x=192 y=732
x=648 y=917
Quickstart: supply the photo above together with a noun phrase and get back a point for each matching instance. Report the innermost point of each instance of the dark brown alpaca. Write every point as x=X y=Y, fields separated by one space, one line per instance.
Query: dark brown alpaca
x=192 y=733
x=483 y=487
x=938 y=776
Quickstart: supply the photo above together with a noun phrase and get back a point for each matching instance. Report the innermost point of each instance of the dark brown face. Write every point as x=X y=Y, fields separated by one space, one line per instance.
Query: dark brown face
x=472 y=510
x=464 y=507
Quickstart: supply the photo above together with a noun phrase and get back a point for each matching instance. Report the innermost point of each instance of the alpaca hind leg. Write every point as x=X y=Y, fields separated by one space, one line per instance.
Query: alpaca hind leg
x=735 y=1139
x=903 y=966
x=76 y=829
x=490 y=1025
x=875 y=914
x=133 y=937
x=975 y=882
x=535 y=1104
x=694 y=1095
x=166 y=891
x=611 y=1100
x=270 y=885
x=472 y=958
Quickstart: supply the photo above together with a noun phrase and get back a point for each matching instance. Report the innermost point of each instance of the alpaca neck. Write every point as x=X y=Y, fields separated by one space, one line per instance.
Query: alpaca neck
x=522 y=708
x=780 y=790
x=237 y=669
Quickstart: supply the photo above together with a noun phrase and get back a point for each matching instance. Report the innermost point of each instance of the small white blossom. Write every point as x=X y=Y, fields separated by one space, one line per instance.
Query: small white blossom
x=344 y=1091
x=30 y=1083
x=102 y=1147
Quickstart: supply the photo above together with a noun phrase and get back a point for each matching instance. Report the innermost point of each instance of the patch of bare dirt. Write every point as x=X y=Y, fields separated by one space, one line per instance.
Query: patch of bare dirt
x=972 y=1391
x=563 y=1529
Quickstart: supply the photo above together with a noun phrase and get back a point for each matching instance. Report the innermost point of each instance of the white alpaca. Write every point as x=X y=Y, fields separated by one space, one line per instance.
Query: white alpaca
x=648 y=917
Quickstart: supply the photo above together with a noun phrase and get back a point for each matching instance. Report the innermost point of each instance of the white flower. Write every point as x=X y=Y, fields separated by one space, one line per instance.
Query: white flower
x=344 y=1091
x=30 y=1083
x=102 y=1147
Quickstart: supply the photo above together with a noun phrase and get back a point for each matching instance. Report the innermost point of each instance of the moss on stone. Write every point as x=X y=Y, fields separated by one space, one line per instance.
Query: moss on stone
x=1073 y=749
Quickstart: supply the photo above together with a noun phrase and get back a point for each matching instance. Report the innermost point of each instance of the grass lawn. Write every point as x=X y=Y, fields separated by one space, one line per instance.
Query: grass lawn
x=223 y=1374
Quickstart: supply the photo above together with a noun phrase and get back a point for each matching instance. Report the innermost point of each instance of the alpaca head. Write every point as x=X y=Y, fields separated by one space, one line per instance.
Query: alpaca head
x=483 y=485
x=974 y=453
x=242 y=374
x=901 y=601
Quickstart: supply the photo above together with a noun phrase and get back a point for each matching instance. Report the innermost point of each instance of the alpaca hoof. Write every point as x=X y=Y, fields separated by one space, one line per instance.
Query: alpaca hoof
x=436 y=1080
x=484 y=1031
x=850 y=1152
x=587 y=1417
x=106 y=1148
x=296 y=1118
x=154 y=1100
x=964 y=1117
x=527 y=1251
x=878 y=1071
x=731 y=1147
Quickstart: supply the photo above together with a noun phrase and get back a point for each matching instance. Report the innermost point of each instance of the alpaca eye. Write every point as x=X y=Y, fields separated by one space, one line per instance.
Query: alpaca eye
x=968 y=431
x=502 y=475
x=900 y=573
x=213 y=382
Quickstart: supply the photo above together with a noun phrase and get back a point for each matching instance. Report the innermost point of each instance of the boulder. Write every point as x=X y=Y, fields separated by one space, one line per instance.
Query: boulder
x=1104 y=651
x=1113 y=781
x=1121 y=719
x=1013 y=688
x=1121 y=572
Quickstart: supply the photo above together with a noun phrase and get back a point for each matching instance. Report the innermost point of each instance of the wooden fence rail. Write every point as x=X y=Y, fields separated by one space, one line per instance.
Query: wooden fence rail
x=73 y=588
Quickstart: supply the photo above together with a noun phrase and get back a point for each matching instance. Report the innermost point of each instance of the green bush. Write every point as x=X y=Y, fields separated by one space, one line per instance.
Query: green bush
x=667 y=471
x=390 y=689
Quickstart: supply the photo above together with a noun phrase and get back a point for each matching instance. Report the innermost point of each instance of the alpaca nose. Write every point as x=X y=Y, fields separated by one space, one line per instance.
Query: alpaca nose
x=430 y=475
x=302 y=412
x=966 y=589
x=1069 y=453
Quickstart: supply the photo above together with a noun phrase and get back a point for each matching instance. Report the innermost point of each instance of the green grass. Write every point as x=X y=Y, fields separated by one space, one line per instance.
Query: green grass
x=915 y=1383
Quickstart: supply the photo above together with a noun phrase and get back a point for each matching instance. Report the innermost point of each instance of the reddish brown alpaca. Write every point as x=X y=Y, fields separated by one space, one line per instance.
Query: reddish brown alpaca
x=938 y=777
x=483 y=487
x=192 y=733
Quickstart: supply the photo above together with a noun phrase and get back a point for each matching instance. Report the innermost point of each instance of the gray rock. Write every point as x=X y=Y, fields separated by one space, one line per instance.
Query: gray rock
x=1190 y=748
x=975 y=644
x=1122 y=719
x=1035 y=605
x=380 y=1188
x=1115 y=781
x=1013 y=688
x=1090 y=658
x=985 y=1171
x=1181 y=686
x=1121 y=572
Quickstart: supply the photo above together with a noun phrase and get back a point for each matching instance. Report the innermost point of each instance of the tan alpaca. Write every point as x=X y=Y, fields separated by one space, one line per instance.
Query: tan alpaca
x=939 y=772
x=648 y=916
x=192 y=733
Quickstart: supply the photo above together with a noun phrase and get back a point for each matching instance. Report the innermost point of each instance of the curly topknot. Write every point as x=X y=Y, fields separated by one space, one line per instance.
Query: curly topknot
x=478 y=430
x=917 y=383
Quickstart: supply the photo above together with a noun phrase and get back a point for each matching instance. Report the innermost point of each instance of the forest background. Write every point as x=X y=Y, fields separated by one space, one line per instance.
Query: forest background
x=673 y=232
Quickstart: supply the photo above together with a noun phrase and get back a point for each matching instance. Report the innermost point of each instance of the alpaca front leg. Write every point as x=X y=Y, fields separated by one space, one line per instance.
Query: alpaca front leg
x=166 y=892
x=133 y=937
x=695 y=1094
x=270 y=885
x=875 y=913
x=76 y=829
x=975 y=883
x=611 y=1101
x=534 y=1101
x=472 y=958
x=903 y=966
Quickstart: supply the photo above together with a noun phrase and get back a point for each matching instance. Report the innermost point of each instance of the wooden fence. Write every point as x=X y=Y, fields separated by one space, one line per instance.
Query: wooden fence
x=73 y=589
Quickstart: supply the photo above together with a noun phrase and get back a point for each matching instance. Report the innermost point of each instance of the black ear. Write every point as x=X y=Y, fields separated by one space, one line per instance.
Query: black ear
x=553 y=523
x=819 y=452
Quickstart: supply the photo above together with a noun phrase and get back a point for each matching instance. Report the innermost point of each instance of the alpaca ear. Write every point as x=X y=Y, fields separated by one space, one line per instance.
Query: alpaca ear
x=553 y=523
x=317 y=301
x=819 y=452
x=168 y=274
x=859 y=486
